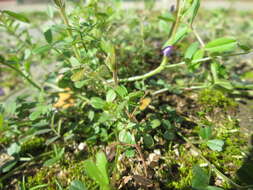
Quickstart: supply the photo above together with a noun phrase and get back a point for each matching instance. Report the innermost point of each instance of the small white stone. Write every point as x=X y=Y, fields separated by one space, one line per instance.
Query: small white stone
x=82 y=146
x=157 y=151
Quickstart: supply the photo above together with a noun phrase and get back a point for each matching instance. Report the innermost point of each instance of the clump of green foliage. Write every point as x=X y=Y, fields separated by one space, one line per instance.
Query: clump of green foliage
x=104 y=92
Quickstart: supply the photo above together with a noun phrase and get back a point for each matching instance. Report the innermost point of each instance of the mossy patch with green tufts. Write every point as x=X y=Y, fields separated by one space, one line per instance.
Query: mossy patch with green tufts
x=210 y=99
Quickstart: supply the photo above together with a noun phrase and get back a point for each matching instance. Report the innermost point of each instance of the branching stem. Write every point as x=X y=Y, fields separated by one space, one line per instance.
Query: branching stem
x=33 y=83
x=66 y=22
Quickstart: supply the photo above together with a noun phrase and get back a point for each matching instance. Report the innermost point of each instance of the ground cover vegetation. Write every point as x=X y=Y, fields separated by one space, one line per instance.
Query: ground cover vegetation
x=95 y=96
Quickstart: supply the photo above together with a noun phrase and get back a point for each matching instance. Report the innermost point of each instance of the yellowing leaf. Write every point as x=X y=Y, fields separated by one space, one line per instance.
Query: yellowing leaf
x=77 y=76
x=145 y=103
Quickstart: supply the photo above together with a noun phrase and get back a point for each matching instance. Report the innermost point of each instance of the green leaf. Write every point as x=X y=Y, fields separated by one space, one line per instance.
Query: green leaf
x=93 y=171
x=155 y=123
x=97 y=103
x=221 y=45
x=17 y=16
x=194 y=9
x=80 y=84
x=198 y=55
x=167 y=17
x=51 y=161
x=181 y=33
x=101 y=162
x=213 y=188
x=194 y=64
x=148 y=140
x=77 y=185
x=205 y=133
x=35 y=115
x=244 y=47
x=8 y=166
x=1 y=121
x=191 y=50
x=38 y=186
x=224 y=84
x=110 y=96
x=134 y=95
x=130 y=153
x=48 y=36
x=74 y=62
x=169 y=135
x=10 y=108
x=78 y=75
x=107 y=47
x=200 y=179
x=215 y=144
x=121 y=91
x=13 y=149
x=126 y=137
x=42 y=49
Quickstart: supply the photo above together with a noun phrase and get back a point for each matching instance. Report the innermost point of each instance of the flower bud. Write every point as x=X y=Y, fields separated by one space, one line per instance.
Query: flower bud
x=59 y=3
x=167 y=51
x=2 y=92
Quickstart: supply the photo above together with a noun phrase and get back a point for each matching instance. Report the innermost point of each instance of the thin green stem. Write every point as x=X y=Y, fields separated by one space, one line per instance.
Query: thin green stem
x=198 y=37
x=182 y=88
x=24 y=165
x=33 y=83
x=66 y=22
x=162 y=66
x=176 y=22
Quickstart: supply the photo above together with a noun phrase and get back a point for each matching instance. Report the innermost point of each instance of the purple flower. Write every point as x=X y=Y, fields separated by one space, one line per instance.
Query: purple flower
x=167 y=51
x=2 y=92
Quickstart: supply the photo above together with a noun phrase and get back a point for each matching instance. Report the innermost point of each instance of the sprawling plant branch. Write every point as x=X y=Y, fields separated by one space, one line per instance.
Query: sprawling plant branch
x=33 y=83
x=66 y=22
x=159 y=69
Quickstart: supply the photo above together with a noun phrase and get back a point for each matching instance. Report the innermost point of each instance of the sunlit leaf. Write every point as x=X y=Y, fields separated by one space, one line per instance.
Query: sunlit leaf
x=200 y=179
x=77 y=185
x=101 y=162
x=215 y=144
x=221 y=45
x=110 y=96
x=17 y=16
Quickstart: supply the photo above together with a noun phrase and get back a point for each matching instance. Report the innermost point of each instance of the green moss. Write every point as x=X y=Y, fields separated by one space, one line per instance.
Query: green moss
x=5 y=140
x=63 y=174
x=180 y=174
x=211 y=99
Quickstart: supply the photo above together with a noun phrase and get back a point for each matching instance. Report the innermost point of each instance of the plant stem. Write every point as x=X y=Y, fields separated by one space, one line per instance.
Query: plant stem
x=158 y=70
x=66 y=22
x=176 y=22
x=182 y=88
x=138 y=148
x=198 y=37
x=23 y=75
x=23 y=165
x=166 y=66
